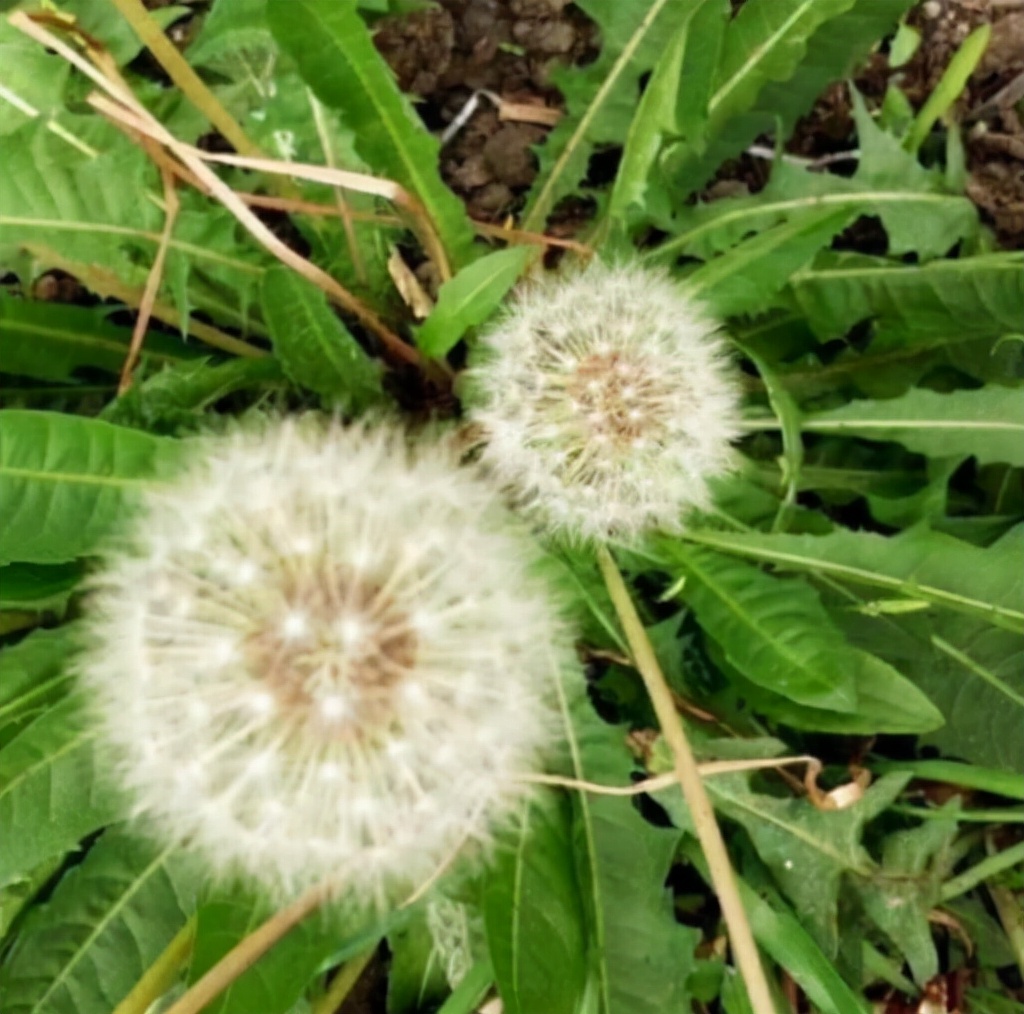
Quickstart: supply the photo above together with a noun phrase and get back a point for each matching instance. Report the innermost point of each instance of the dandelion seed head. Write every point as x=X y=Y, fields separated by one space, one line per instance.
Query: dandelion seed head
x=592 y=385
x=306 y=683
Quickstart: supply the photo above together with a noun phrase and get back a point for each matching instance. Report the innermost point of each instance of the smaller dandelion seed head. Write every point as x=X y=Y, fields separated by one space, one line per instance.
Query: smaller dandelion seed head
x=629 y=380
x=275 y=686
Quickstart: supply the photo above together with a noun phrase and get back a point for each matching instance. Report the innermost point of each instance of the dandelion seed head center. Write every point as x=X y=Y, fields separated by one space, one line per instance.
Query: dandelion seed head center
x=335 y=661
x=616 y=397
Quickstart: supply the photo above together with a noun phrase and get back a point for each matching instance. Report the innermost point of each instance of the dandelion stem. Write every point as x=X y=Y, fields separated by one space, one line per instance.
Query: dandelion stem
x=160 y=976
x=249 y=950
x=709 y=834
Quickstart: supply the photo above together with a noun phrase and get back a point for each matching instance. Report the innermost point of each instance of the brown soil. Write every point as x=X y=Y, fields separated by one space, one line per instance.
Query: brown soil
x=446 y=54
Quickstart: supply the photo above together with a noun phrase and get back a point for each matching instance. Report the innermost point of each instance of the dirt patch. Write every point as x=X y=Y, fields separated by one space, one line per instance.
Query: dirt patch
x=446 y=55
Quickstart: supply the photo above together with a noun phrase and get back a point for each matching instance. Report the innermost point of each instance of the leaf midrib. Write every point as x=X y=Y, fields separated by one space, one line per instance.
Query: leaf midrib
x=910 y=424
x=757 y=55
x=987 y=610
x=543 y=201
x=71 y=478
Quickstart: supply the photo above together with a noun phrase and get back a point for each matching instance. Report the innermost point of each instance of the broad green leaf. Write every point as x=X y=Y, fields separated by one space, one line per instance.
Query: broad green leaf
x=50 y=341
x=602 y=97
x=744 y=279
x=314 y=346
x=66 y=482
x=987 y=423
x=641 y=957
x=979 y=296
x=276 y=982
x=35 y=586
x=887 y=702
x=173 y=401
x=108 y=920
x=534 y=914
x=470 y=298
x=778 y=56
x=969 y=650
x=336 y=57
x=51 y=792
x=776 y=632
x=90 y=207
x=918 y=564
x=900 y=895
x=33 y=674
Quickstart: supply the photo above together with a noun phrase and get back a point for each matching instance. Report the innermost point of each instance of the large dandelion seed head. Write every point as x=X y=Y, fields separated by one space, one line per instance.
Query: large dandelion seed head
x=325 y=650
x=608 y=402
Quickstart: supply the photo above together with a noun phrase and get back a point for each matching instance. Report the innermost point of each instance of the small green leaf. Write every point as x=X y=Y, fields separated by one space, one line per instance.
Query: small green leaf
x=534 y=915
x=952 y=83
x=66 y=482
x=987 y=423
x=470 y=298
x=314 y=346
x=107 y=921
x=51 y=792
